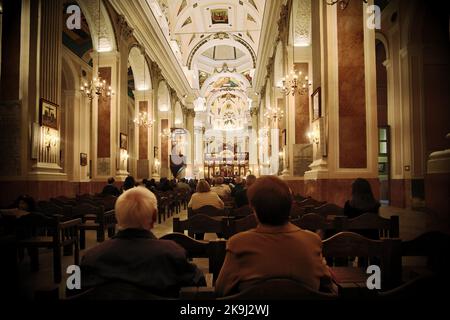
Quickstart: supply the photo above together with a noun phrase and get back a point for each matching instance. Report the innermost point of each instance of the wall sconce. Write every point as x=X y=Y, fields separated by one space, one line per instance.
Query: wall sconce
x=124 y=155
x=313 y=137
x=166 y=133
x=51 y=138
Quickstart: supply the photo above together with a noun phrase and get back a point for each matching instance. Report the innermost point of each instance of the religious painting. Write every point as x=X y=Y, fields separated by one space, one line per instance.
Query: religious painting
x=48 y=115
x=219 y=16
x=226 y=82
x=123 y=141
x=83 y=159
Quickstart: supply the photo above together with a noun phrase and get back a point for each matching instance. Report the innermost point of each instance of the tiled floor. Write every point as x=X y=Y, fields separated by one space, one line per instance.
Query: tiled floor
x=412 y=224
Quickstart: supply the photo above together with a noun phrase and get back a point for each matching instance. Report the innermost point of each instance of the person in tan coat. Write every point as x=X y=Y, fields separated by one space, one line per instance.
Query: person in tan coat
x=276 y=248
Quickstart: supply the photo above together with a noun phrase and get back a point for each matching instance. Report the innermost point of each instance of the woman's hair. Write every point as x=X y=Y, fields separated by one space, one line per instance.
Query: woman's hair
x=203 y=186
x=28 y=200
x=362 y=196
x=136 y=208
x=129 y=183
x=271 y=199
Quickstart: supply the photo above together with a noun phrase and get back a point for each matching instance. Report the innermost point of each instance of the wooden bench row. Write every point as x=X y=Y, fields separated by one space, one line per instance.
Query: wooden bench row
x=228 y=226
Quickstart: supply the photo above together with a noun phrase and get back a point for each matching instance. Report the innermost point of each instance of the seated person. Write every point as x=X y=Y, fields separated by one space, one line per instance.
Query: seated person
x=362 y=201
x=135 y=255
x=204 y=197
x=110 y=188
x=236 y=186
x=222 y=190
x=128 y=183
x=275 y=249
x=240 y=197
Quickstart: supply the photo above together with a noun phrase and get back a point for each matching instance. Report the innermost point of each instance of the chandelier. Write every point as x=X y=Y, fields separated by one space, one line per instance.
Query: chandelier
x=274 y=114
x=166 y=133
x=342 y=3
x=294 y=83
x=143 y=119
x=97 y=86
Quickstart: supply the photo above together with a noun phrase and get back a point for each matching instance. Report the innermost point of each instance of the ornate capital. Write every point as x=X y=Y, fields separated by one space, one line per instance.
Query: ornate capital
x=156 y=72
x=125 y=30
x=190 y=113
x=283 y=23
x=173 y=95
x=263 y=91
x=269 y=67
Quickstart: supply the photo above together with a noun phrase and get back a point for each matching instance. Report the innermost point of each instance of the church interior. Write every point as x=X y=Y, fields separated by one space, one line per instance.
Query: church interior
x=182 y=96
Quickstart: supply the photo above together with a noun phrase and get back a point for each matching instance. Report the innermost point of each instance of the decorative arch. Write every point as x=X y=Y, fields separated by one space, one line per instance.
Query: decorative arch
x=178 y=119
x=382 y=38
x=217 y=94
x=278 y=70
x=141 y=71
x=107 y=35
x=220 y=39
x=70 y=77
x=163 y=97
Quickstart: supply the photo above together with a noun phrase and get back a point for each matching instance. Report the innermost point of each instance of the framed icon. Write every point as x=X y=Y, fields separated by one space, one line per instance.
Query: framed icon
x=48 y=114
x=83 y=159
x=123 y=141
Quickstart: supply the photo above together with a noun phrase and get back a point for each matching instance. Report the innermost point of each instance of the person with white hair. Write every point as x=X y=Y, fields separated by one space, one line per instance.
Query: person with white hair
x=135 y=256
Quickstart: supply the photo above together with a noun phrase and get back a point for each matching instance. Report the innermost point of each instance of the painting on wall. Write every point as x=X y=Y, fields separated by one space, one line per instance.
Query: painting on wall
x=48 y=115
x=83 y=159
x=123 y=141
x=219 y=16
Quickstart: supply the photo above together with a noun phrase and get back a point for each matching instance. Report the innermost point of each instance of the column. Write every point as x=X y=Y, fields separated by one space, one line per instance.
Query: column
x=120 y=133
x=143 y=139
x=198 y=162
x=49 y=79
x=253 y=145
x=349 y=106
x=110 y=120
x=190 y=115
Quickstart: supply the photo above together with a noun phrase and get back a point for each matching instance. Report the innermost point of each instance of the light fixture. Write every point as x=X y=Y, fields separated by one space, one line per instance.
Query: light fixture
x=342 y=3
x=313 y=137
x=51 y=138
x=274 y=114
x=165 y=133
x=294 y=83
x=97 y=86
x=143 y=119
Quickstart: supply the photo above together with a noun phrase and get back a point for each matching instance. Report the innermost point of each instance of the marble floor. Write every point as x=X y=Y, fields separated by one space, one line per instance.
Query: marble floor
x=412 y=224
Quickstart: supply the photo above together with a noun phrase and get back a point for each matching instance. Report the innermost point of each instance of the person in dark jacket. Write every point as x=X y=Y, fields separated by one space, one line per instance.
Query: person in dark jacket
x=128 y=183
x=135 y=256
x=110 y=188
x=240 y=197
x=362 y=200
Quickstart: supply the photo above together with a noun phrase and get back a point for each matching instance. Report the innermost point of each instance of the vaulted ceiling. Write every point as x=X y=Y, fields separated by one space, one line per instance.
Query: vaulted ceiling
x=215 y=42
